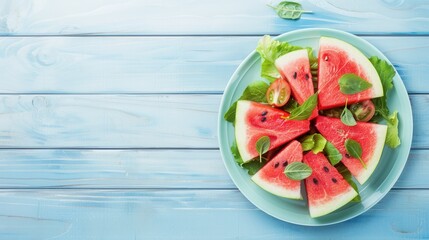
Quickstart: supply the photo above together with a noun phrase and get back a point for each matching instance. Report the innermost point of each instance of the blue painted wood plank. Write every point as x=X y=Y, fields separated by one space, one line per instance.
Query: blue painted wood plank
x=128 y=121
x=158 y=64
x=129 y=169
x=190 y=214
x=113 y=17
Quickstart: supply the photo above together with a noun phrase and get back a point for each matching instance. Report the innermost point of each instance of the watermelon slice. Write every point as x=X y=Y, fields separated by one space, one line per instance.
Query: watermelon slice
x=370 y=136
x=337 y=58
x=295 y=68
x=326 y=188
x=272 y=178
x=254 y=120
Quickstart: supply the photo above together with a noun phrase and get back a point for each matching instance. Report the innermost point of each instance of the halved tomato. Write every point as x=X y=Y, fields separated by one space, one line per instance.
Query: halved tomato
x=278 y=93
x=363 y=111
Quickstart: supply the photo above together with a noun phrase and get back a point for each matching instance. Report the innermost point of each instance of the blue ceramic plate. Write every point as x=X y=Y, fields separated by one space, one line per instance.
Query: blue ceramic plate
x=294 y=211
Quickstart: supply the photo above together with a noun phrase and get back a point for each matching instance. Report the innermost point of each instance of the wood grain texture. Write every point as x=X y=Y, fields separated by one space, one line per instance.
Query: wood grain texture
x=190 y=214
x=130 y=169
x=158 y=64
x=128 y=121
x=115 y=17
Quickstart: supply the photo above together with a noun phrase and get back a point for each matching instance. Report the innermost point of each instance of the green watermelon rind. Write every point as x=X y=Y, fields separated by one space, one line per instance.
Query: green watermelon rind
x=371 y=164
x=340 y=201
x=240 y=129
x=273 y=189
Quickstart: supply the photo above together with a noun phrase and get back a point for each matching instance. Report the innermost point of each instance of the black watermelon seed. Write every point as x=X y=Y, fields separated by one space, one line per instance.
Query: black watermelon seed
x=334 y=180
x=315 y=181
x=326 y=169
x=276 y=165
x=294 y=75
x=285 y=163
x=264 y=113
x=347 y=155
x=263 y=119
x=306 y=76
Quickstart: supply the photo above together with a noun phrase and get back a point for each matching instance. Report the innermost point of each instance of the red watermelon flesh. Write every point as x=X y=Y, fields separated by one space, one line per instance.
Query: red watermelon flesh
x=254 y=120
x=337 y=58
x=370 y=136
x=272 y=178
x=295 y=68
x=326 y=188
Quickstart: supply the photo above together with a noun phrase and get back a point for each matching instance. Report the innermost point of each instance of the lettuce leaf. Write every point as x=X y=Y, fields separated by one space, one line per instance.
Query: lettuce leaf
x=392 y=138
x=270 y=50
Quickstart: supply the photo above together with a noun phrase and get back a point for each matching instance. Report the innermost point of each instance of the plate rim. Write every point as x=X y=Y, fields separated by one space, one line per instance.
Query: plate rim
x=236 y=77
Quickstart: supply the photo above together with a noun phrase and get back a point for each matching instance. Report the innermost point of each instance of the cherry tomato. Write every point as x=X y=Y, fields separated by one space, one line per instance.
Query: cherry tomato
x=278 y=93
x=363 y=111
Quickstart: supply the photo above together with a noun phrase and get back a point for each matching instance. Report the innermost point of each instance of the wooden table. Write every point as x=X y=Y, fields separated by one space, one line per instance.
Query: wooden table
x=108 y=125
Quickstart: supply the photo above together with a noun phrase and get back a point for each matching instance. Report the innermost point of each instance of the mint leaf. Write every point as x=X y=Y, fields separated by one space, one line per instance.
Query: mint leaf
x=254 y=92
x=262 y=146
x=354 y=149
x=298 y=171
x=392 y=138
x=304 y=111
x=332 y=153
x=289 y=10
x=347 y=117
x=351 y=83
x=386 y=73
x=348 y=177
x=270 y=50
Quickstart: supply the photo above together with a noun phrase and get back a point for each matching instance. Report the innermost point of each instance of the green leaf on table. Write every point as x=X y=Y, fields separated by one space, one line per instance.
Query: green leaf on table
x=298 y=171
x=255 y=91
x=354 y=149
x=392 y=137
x=348 y=177
x=347 y=117
x=332 y=153
x=289 y=10
x=304 y=111
x=262 y=146
x=351 y=83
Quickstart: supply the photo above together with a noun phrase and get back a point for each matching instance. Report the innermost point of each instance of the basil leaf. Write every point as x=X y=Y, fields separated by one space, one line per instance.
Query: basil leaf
x=348 y=177
x=332 y=153
x=262 y=146
x=354 y=149
x=392 y=137
x=254 y=92
x=298 y=171
x=319 y=143
x=347 y=117
x=304 y=111
x=351 y=83
x=289 y=10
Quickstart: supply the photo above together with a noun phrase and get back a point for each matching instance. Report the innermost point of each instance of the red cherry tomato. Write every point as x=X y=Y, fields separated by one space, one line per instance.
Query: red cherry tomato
x=278 y=93
x=363 y=111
